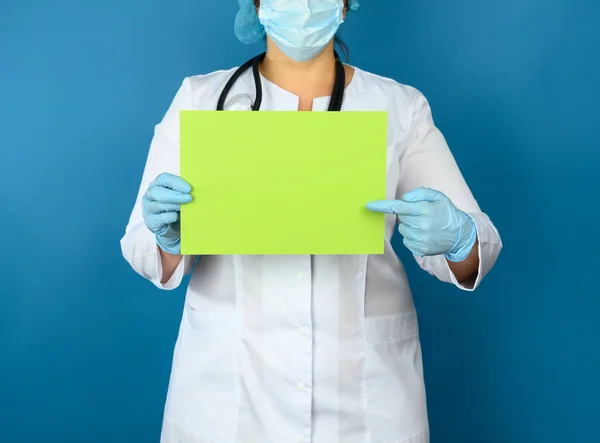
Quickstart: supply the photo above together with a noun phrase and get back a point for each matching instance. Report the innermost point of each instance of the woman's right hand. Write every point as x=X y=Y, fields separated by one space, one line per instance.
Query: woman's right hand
x=161 y=206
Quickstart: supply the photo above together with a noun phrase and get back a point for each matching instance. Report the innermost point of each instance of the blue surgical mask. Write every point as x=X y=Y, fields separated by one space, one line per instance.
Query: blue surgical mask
x=301 y=29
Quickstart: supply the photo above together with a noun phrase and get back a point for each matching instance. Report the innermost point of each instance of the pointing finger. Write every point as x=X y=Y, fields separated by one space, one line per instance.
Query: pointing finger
x=385 y=206
x=397 y=207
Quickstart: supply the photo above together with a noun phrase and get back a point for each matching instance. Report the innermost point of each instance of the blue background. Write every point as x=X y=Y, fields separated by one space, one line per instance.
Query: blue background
x=86 y=344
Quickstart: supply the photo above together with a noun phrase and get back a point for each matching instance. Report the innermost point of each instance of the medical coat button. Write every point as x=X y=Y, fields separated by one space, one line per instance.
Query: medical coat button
x=300 y=275
x=301 y=387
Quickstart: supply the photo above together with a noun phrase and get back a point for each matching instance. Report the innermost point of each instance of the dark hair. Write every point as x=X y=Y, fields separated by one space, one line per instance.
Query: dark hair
x=343 y=49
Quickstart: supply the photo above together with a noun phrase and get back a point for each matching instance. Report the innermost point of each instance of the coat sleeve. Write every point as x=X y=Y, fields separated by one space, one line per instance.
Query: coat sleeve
x=138 y=244
x=426 y=161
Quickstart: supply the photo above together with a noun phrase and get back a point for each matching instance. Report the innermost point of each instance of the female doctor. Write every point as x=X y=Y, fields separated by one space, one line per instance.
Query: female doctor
x=321 y=349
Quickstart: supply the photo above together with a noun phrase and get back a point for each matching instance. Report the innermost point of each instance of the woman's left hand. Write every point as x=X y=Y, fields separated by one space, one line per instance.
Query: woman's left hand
x=431 y=224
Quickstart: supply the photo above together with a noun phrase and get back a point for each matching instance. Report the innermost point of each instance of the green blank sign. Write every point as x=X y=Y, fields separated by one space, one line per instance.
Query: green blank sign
x=283 y=182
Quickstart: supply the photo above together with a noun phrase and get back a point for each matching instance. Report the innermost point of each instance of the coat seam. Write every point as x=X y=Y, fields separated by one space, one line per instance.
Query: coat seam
x=397 y=338
x=414 y=435
x=364 y=345
x=205 y=440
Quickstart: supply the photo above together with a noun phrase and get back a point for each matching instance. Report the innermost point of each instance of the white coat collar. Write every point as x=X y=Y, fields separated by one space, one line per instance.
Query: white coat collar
x=277 y=98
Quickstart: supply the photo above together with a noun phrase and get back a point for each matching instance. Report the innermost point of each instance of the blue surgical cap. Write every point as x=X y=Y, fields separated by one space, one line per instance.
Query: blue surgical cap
x=249 y=29
x=353 y=5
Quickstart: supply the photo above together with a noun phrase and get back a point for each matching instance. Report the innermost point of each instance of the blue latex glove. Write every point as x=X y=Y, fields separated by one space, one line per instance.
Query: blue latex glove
x=431 y=224
x=160 y=207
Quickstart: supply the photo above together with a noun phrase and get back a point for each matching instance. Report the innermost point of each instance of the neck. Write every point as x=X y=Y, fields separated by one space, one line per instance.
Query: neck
x=313 y=78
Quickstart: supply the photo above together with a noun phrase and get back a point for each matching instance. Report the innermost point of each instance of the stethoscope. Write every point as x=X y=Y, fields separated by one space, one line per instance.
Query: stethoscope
x=337 y=96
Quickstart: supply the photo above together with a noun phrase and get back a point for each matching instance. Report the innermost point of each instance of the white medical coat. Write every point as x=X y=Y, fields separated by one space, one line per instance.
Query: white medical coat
x=321 y=349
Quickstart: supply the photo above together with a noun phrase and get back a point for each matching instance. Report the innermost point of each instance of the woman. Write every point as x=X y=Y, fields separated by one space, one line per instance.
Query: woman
x=315 y=349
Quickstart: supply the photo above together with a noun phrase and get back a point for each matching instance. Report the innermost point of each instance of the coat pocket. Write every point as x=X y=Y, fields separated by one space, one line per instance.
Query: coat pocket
x=396 y=403
x=202 y=388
